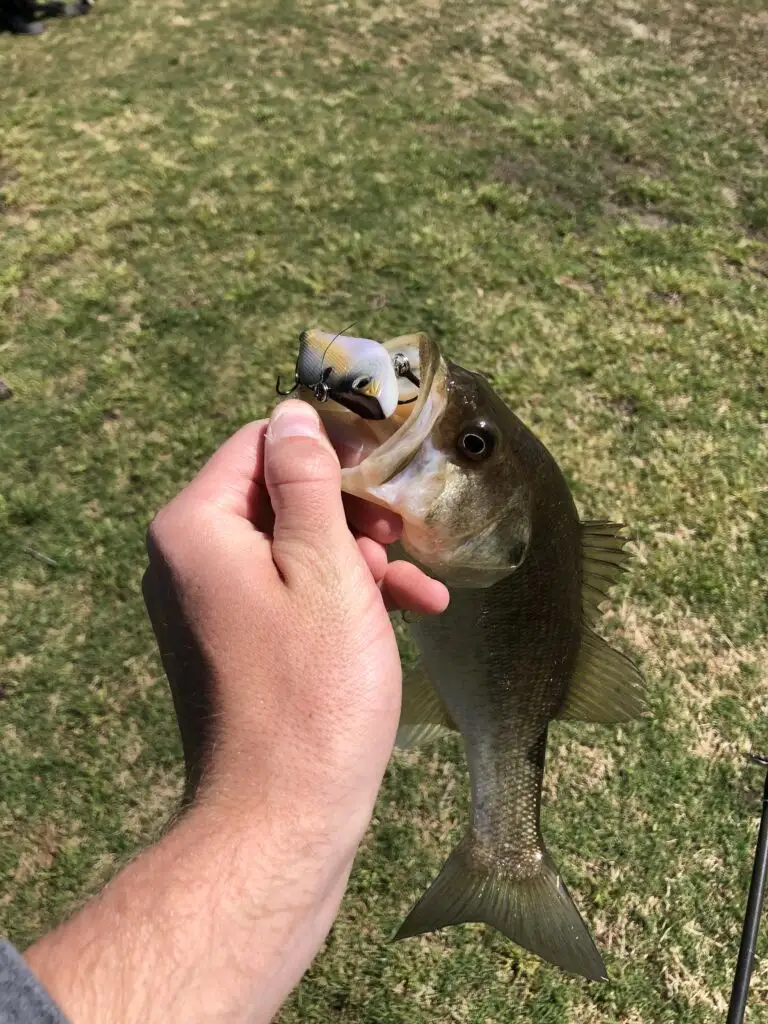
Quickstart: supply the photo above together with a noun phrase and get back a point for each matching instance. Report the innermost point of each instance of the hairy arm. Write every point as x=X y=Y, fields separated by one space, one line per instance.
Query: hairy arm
x=215 y=922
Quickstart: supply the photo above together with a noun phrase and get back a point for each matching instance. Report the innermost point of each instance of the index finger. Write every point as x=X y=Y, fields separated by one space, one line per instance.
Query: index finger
x=233 y=477
x=372 y=520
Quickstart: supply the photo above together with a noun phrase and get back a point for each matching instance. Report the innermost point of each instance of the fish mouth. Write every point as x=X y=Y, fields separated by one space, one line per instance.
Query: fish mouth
x=392 y=444
x=398 y=464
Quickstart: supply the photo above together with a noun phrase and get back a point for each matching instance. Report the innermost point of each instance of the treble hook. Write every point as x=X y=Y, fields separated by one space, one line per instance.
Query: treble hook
x=290 y=390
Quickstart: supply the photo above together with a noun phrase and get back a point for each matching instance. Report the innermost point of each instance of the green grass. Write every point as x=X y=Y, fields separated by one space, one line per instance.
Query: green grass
x=571 y=198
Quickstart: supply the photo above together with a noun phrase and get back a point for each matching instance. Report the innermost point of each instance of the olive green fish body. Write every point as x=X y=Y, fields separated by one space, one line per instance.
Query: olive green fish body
x=502 y=660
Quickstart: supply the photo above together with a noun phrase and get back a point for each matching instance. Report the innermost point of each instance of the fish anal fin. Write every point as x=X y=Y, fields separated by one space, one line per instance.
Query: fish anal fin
x=423 y=715
x=606 y=686
x=536 y=912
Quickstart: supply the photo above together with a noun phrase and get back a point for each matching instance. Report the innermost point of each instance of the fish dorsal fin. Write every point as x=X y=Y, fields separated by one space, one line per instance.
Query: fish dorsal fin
x=603 y=559
x=423 y=716
x=606 y=685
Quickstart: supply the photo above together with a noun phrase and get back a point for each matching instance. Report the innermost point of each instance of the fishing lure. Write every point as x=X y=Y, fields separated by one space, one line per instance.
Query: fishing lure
x=358 y=373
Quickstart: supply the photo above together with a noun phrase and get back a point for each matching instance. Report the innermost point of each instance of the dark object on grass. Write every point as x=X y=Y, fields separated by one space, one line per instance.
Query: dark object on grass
x=76 y=9
x=6 y=391
x=18 y=16
x=59 y=9
x=22 y=17
x=745 y=963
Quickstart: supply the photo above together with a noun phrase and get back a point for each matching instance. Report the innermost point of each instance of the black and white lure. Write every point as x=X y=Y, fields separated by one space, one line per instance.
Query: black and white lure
x=358 y=373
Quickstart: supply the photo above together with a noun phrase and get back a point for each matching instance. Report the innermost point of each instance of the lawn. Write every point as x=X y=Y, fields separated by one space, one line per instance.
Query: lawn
x=572 y=198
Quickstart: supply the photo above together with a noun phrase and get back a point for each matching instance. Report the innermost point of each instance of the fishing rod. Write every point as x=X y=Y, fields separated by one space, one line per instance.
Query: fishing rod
x=746 y=961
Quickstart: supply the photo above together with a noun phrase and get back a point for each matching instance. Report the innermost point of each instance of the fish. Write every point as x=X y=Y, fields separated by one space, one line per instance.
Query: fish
x=487 y=510
x=357 y=373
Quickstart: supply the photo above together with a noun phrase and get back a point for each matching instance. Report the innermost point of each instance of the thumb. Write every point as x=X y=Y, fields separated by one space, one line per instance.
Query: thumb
x=303 y=478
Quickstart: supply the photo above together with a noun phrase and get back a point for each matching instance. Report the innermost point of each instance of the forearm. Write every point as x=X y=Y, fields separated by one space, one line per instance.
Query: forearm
x=208 y=924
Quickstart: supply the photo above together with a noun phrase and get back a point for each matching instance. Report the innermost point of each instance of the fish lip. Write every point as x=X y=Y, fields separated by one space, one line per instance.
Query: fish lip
x=367 y=407
x=398 y=450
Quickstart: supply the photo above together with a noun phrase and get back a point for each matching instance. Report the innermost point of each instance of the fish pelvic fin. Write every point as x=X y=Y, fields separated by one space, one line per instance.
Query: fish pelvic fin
x=535 y=912
x=606 y=686
x=423 y=715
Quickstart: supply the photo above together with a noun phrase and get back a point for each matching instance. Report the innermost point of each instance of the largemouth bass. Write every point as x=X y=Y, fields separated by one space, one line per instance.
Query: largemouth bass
x=487 y=510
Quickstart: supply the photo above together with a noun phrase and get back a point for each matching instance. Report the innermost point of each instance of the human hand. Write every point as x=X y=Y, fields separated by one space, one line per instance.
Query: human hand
x=272 y=622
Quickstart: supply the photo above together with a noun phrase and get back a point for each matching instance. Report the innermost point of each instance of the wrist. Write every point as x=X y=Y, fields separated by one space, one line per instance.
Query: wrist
x=256 y=854
x=320 y=809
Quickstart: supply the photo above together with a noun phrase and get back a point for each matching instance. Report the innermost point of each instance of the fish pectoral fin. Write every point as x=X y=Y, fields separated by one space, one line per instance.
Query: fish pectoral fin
x=603 y=559
x=537 y=913
x=423 y=716
x=606 y=685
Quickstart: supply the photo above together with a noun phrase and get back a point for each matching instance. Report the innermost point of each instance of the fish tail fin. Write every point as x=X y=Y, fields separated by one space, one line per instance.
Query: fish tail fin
x=536 y=912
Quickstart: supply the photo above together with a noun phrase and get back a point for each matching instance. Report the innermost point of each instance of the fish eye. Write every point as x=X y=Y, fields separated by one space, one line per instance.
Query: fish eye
x=477 y=441
x=361 y=383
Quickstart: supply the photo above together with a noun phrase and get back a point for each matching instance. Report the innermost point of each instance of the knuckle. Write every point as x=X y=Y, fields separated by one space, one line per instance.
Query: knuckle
x=156 y=533
x=176 y=530
x=308 y=462
x=164 y=526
